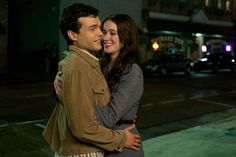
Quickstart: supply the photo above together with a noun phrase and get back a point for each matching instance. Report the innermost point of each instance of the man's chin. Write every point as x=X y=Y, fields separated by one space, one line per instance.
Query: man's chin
x=96 y=49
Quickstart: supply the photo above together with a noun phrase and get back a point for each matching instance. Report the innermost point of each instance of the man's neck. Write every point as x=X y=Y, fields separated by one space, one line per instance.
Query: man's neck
x=88 y=52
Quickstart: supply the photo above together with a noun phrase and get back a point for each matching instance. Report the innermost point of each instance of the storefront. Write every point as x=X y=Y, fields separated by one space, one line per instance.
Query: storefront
x=194 y=37
x=169 y=42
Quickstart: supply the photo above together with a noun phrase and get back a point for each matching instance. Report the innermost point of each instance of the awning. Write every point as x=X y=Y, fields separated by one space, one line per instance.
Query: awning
x=196 y=23
x=188 y=27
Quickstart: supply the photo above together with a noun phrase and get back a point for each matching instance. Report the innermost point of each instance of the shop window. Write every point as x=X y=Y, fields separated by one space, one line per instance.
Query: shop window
x=152 y=3
x=207 y=3
x=219 y=4
x=227 y=5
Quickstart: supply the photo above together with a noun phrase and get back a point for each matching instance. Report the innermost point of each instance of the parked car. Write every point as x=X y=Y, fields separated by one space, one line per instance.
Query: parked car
x=215 y=61
x=166 y=64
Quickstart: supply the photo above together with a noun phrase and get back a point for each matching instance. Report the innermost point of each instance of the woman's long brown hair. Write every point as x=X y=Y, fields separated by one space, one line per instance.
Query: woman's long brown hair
x=128 y=35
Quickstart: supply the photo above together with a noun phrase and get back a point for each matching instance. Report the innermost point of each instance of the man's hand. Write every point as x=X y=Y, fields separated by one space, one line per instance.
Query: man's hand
x=133 y=140
x=58 y=85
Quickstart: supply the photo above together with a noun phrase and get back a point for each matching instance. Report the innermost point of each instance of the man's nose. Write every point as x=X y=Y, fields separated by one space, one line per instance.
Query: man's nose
x=100 y=32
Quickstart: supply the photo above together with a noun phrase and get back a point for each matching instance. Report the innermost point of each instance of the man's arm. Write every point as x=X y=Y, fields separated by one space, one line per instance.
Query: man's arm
x=79 y=108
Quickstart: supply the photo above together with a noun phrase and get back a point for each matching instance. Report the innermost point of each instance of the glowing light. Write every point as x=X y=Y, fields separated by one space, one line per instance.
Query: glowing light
x=228 y=48
x=155 y=46
x=204 y=48
x=203 y=59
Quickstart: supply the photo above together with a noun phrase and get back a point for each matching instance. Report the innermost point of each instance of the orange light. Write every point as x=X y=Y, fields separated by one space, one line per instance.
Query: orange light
x=155 y=46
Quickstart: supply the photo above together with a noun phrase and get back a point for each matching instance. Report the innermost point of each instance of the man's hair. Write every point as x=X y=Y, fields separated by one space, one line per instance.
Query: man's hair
x=70 y=15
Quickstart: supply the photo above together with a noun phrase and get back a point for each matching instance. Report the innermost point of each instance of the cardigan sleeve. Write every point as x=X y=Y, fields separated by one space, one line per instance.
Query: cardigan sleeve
x=128 y=92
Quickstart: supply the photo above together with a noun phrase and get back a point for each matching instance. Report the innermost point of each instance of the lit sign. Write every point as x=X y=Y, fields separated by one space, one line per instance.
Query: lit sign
x=228 y=48
x=172 y=39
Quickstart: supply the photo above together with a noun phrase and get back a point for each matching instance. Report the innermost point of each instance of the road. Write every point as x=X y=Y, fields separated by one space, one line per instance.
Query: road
x=177 y=97
x=165 y=99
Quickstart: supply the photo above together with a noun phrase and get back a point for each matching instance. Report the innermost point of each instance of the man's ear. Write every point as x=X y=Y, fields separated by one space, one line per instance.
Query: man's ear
x=72 y=35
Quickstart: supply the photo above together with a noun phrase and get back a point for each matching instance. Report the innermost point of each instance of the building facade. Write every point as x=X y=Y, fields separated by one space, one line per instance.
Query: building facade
x=201 y=23
x=170 y=26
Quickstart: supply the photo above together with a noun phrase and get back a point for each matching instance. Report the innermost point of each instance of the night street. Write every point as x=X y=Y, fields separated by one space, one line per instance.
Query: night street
x=185 y=49
x=178 y=97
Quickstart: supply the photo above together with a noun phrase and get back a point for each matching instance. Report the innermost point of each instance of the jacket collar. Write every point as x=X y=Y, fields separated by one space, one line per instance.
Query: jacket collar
x=88 y=57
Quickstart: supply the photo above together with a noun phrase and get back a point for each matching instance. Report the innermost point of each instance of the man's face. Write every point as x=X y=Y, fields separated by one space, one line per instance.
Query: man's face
x=90 y=34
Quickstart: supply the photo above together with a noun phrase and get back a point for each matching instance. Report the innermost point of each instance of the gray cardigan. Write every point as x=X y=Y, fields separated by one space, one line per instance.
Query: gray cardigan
x=123 y=106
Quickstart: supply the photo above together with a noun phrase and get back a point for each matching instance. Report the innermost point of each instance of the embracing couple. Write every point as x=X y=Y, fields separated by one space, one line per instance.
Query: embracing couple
x=98 y=98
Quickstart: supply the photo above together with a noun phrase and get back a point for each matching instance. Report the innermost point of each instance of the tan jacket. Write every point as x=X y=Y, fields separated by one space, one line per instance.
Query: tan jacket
x=72 y=128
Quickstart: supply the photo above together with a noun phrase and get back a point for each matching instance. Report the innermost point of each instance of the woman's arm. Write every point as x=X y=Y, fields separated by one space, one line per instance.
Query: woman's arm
x=127 y=94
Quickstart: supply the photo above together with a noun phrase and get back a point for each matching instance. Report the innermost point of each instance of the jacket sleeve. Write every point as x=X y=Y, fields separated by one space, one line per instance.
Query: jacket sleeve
x=78 y=102
x=128 y=92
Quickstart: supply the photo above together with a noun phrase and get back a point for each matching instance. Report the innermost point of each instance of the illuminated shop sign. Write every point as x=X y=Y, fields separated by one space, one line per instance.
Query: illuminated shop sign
x=173 y=39
x=166 y=43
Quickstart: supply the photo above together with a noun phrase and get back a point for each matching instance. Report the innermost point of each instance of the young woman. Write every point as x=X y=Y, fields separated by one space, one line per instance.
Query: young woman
x=123 y=75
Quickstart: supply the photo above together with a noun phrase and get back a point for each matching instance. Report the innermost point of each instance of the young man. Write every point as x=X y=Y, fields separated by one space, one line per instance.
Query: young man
x=72 y=129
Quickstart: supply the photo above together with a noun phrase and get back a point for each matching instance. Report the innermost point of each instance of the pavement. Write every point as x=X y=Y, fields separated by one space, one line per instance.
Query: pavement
x=210 y=135
x=213 y=139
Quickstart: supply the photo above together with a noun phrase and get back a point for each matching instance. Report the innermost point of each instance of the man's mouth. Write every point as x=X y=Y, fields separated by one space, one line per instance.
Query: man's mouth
x=99 y=41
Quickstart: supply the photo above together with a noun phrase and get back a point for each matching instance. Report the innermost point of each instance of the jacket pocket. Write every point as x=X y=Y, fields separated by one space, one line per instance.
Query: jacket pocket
x=100 y=96
x=98 y=90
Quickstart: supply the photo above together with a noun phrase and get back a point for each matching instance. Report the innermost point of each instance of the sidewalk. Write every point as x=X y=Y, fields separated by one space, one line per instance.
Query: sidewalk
x=217 y=139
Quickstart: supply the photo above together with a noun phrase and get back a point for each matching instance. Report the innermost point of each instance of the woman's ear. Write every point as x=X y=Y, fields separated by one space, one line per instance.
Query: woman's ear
x=72 y=35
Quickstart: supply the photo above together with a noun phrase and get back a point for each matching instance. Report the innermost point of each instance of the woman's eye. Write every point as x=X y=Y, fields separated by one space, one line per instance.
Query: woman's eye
x=113 y=33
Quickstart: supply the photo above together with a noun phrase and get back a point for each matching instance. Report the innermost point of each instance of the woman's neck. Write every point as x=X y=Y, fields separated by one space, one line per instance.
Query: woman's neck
x=111 y=63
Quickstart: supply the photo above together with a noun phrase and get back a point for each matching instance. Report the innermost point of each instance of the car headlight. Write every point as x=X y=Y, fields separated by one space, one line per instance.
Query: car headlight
x=192 y=64
x=203 y=59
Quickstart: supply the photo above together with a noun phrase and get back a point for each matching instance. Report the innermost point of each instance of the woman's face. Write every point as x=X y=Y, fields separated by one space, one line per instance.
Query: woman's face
x=111 y=41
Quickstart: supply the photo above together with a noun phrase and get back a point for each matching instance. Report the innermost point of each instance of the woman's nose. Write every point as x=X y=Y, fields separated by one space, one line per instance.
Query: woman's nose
x=105 y=36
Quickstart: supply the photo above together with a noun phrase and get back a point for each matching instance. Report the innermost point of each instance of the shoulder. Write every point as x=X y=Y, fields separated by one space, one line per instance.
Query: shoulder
x=74 y=63
x=136 y=67
x=134 y=70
